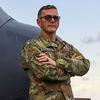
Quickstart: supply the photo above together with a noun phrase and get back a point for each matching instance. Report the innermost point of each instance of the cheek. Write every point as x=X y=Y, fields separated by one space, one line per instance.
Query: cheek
x=57 y=24
x=43 y=24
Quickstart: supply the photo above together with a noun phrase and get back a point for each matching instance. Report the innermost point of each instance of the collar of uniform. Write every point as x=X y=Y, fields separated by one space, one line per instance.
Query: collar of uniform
x=47 y=42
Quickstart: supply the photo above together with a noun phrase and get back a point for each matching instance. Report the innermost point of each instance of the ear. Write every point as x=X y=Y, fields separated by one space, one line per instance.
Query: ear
x=38 y=22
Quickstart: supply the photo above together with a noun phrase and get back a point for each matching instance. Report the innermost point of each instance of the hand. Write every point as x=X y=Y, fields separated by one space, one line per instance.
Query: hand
x=76 y=57
x=43 y=58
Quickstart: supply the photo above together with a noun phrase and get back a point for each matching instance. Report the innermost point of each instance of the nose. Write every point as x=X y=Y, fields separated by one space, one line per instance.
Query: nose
x=52 y=19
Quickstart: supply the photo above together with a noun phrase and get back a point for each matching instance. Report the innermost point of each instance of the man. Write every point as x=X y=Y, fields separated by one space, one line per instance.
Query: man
x=50 y=62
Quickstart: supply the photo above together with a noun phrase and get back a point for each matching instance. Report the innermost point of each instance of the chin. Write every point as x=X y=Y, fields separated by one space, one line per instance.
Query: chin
x=51 y=30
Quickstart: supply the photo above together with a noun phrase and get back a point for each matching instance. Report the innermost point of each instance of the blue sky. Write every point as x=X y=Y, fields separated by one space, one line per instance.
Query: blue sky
x=79 y=25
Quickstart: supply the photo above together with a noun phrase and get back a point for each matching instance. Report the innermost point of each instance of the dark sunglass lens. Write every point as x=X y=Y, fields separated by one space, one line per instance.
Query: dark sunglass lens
x=48 y=18
x=56 y=18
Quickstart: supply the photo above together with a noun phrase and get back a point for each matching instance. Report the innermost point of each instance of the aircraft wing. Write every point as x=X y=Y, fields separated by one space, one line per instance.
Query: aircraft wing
x=14 y=82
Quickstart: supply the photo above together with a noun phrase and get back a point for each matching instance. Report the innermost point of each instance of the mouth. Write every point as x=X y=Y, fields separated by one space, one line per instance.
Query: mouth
x=52 y=26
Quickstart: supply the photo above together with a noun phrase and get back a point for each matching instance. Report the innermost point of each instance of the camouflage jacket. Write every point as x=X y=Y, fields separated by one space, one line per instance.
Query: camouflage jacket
x=44 y=78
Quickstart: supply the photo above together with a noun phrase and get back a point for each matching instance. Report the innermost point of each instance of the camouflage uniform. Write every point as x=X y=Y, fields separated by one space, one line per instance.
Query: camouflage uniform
x=47 y=83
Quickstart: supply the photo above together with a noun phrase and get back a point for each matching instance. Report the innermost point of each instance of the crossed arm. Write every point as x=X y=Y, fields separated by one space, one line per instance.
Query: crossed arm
x=44 y=67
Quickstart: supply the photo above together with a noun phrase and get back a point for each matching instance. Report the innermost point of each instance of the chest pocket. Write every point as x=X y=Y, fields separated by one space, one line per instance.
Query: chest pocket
x=49 y=51
x=63 y=52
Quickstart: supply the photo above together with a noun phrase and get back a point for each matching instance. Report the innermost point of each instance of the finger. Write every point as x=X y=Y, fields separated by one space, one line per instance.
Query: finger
x=42 y=57
x=48 y=63
x=78 y=57
x=74 y=55
x=43 y=60
x=42 y=54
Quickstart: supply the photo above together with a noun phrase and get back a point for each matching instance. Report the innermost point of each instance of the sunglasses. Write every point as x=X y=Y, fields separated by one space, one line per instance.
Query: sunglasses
x=49 y=18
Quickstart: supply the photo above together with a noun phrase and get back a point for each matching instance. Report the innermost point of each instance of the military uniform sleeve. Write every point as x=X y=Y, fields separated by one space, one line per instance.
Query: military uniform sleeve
x=76 y=64
x=29 y=61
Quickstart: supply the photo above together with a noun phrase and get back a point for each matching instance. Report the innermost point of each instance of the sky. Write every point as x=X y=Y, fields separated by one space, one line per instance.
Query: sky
x=79 y=25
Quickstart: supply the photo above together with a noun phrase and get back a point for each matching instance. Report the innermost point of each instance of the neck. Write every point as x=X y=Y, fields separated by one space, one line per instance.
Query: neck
x=49 y=36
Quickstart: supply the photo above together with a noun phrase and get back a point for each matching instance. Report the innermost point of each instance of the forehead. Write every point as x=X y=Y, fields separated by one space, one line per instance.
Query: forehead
x=49 y=12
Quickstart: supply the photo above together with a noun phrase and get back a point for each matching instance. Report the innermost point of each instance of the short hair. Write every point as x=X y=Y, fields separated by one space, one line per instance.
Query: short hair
x=45 y=8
